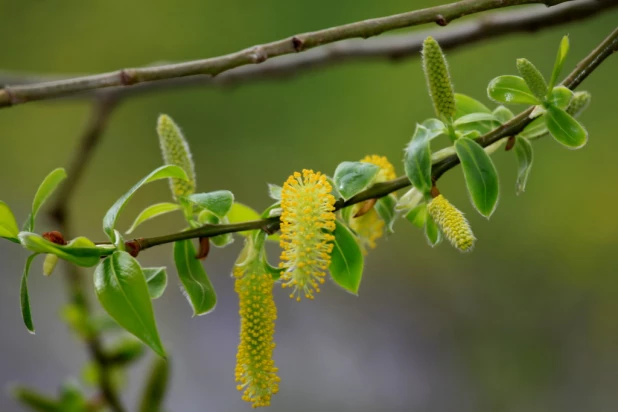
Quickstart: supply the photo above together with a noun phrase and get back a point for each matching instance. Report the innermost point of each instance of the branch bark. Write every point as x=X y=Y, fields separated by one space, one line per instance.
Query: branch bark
x=442 y=15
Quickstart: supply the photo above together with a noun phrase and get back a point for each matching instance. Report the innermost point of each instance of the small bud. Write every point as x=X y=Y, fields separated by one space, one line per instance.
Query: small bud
x=452 y=223
x=533 y=78
x=176 y=152
x=578 y=104
x=49 y=264
x=438 y=79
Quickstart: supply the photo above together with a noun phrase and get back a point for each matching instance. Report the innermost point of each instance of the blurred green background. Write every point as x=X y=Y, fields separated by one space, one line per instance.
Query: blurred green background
x=525 y=322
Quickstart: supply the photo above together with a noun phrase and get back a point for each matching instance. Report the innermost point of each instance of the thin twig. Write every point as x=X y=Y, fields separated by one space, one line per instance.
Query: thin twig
x=511 y=128
x=441 y=15
x=395 y=48
x=60 y=213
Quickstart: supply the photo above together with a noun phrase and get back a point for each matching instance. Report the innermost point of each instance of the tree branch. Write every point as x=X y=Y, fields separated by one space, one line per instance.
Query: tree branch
x=60 y=213
x=441 y=15
x=394 y=47
x=511 y=128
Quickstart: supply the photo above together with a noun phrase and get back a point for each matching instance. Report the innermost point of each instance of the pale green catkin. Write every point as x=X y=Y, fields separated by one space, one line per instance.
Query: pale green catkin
x=176 y=152
x=578 y=104
x=533 y=78
x=438 y=79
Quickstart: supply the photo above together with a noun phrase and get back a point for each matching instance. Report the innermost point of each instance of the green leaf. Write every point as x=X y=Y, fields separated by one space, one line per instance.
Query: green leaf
x=354 y=177
x=81 y=251
x=475 y=118
x=346 y=266
x=533 y=78
x=467 y=105
x=49 y=264
x=432 y=231
x=417 y=160
x=156 y=280
x=219 y=202
x=561 y=97
x=563 y=50
x=510 y=89
x=565 y=129
x=152 y=211
x=480 y=173
x=435 y=127
x=24 y=298
x=418 y=215
x=199 y=290
x=274 y=191
x=523 y=152
x=169 y=171
x=155 y=387
x=44 y=191
x=409 y=200
x=34 y=400
x=503 y=114
x=125 y=350
x=71 y=398
x=385 y=206
x=8 y=225
x=121 y=287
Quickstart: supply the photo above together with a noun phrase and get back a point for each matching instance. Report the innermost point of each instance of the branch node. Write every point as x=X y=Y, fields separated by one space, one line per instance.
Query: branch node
x=204 y=248
x=55 y=237
x=133 y=247
x=298 y=44
x=441 y=20
x=127 y=78
x=258 y=54
x=510 y=143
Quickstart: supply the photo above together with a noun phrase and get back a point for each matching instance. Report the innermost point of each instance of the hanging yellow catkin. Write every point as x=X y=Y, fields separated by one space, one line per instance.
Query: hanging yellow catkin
x=307 y=217
x=256 y=373
x=176 y=151
x=452 y=223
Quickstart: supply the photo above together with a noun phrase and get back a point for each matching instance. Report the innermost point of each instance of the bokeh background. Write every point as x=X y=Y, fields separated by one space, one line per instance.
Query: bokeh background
x=525 y=322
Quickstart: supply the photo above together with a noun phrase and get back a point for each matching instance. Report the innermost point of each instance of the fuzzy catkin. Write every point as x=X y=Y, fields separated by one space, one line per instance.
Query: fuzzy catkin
x=452 y=223
x=438 y=79
x=176 y=152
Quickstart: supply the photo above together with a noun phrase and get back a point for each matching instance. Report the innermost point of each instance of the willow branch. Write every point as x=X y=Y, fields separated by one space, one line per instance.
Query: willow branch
x=60 y=213
x=395 y=48
x=511 y=128
x=441 y=15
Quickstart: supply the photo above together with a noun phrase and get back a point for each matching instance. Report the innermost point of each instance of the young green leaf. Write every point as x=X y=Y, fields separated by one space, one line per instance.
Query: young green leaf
x=480 y=173
x=467 y=105
x=49 y=264
x=533 y=78
x=565 y=128
x=503 y=114
x=523 y=152
x=109 y=221
x=432 y=231
x=152 y=211
x=435 y=128
x=385 y=206
x=560 y=58
x=346 y=266
x=156 y=386
x=175 y=150
x=535 y=129
x=560 y=97
x=121 y=287
x=205 y=217
x=274 y=191
x=417 y=160
x=197 y=286
x=8 y=225
x=81 y=251
x=409 y=200
x=34 y=400
x=243 y=213
x=219 y=202
x=511 y=90
x=475 y=118
x=125 y=350
x=354 y=177
x=24 y=297
x=156 y=280
x=71 y=398
x=418 y=215
x=44 y=191
x=438 y=79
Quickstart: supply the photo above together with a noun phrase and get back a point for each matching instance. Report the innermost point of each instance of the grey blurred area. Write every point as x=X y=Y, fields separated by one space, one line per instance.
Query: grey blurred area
x=526 y=322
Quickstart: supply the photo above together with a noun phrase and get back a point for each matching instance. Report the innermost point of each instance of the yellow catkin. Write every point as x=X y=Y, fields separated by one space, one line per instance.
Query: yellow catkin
x=256 y=373
x=370 y=227
x=175 y=150
x=452 y=222
x=307 y=218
